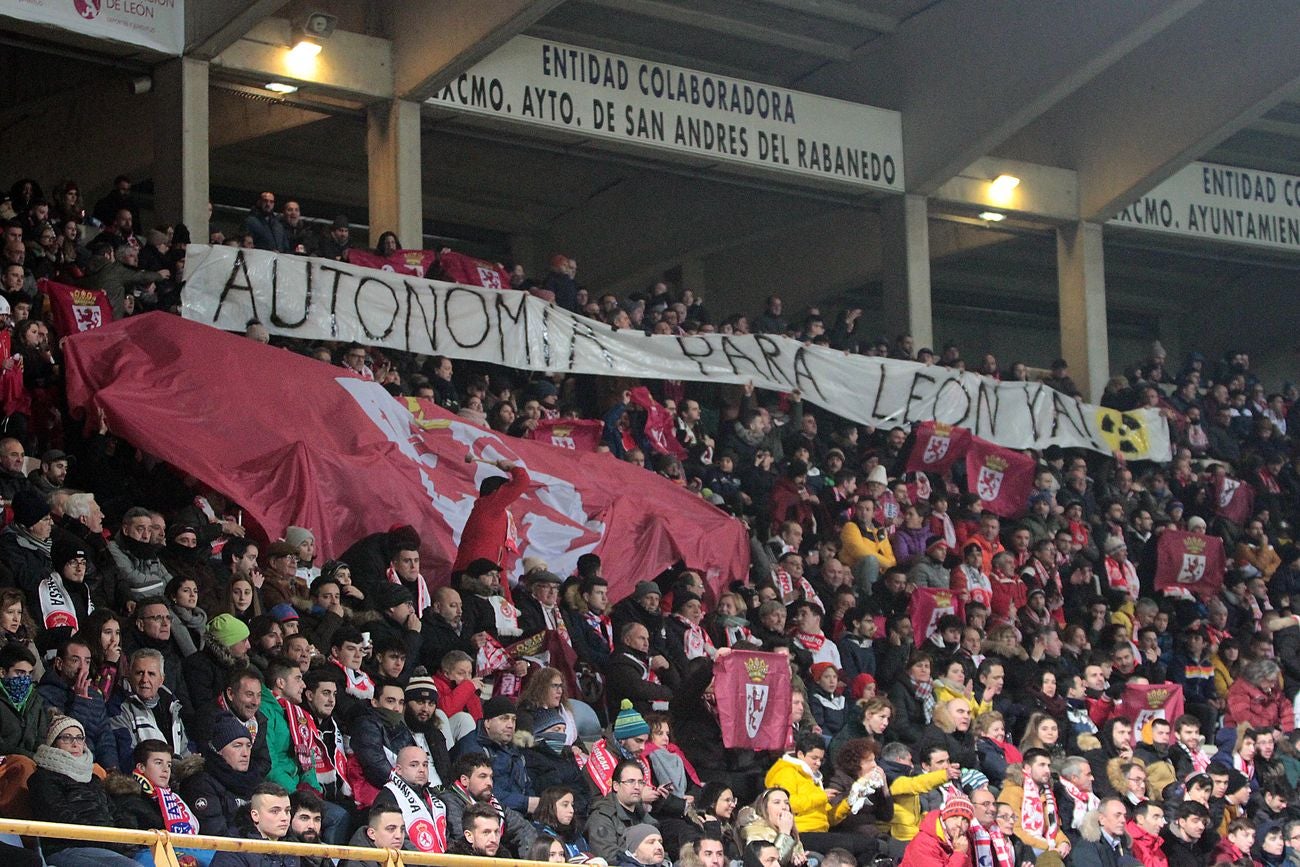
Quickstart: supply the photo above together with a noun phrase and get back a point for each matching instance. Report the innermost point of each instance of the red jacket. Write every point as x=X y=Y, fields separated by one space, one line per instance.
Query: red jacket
x=489 y=523
x=461 y=697
x=1249 y=704
x=930 y=846
x=1147 y=848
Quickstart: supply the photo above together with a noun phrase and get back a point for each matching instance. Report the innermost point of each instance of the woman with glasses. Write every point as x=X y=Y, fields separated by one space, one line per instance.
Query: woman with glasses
x=65 y=789
x=546 y=689
x=716 y=806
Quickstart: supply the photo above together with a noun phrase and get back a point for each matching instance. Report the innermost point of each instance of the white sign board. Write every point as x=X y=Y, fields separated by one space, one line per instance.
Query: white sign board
x=1222 y=203
x=320 y=299
x=154 y=24
x=689 y=113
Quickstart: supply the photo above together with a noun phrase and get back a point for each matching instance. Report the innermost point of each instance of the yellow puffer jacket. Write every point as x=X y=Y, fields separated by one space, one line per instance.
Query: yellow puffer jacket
x=907 y=792
x=812 y=809
x=854 y=545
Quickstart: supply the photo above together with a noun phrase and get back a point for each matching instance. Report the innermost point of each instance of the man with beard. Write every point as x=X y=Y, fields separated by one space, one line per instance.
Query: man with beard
x=149 y=710
x=151 y=627
x=472 y=784
x=305 y=808
x=427 y=725
x=423 y=813
x=136 y=556
x=482 y=834
x=320 y=692
x=494 y=737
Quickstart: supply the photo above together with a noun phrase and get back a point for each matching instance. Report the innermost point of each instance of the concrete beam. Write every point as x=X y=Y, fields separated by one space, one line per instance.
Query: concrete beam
x=970 y=74
x=844 y=13
x=181 y=146
x=435 y=40
x=1165 y=106
x=905 y=260
x=350 y=65
x=393 y=159
x=733 y=27
x=211 y=27
x=1044 y=191
x=1081 y=266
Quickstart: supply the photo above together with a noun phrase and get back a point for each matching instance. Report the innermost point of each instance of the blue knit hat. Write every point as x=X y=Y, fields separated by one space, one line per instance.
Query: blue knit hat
x=629 y=723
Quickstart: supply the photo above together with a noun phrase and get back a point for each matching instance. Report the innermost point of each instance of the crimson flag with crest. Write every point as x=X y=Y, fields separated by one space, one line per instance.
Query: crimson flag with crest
x=76 y=310
x=937 y=447
x=753 y=693
x=1001 y=478
x=1191 y=561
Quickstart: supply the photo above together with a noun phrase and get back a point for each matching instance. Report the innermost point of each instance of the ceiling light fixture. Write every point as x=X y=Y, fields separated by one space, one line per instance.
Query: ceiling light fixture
x=992 y=216
x=280 y=87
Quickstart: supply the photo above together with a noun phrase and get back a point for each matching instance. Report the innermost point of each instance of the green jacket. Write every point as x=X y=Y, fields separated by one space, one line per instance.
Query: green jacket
x=21 y=731
x=285 y=769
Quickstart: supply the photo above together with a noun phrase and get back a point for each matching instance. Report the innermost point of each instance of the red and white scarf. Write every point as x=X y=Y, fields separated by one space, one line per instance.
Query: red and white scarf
x=1122 y=576
x=331 y=765
x=1200 y=761
x=602 y=626
x=991 y=848
x=696 y=643
x=1247 y=768
x=359 y=684
x=422 y=599
x=176 y=814
x=425 y=816
x=978 y=587
x=507 y=616
x=1084 y=802
x=821 y=647
x=57 y=609
x=302 y=732
x=1038 y=815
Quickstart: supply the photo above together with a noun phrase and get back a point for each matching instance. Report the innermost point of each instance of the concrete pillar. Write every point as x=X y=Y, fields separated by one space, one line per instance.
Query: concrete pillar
x=396 y=194
x=1081 y=277
x=181 y=147
x=905 y=264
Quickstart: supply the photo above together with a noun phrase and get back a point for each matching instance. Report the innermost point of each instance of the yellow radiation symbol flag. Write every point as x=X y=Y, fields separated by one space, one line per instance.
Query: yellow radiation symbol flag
x=1124 y=432
x=413 y=404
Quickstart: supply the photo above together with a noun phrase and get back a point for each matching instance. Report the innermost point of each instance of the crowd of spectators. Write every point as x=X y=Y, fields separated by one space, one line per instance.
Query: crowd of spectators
x=160 y=669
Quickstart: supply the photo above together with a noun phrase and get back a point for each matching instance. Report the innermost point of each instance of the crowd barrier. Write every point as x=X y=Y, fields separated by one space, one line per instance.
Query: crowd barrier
x=163 y=846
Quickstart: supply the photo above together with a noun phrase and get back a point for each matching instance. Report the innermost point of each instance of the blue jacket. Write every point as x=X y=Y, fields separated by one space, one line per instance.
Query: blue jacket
x=91 y=712
x=510 y=781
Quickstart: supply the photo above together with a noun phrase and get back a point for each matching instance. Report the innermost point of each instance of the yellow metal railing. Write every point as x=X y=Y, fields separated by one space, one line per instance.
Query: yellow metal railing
x=164 y=845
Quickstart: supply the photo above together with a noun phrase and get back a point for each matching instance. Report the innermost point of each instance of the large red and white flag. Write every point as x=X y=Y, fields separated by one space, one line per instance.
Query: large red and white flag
x=298 y=442
x=411 y=262
x=937 y=447
x=753 y=691
x=1190 y=561
x=74 y=309
x=1001 y=478
x=579 y=434
x=1233 y=499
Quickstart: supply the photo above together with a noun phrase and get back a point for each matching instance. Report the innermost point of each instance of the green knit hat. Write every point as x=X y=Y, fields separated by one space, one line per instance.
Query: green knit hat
x=629 y=723
x=227 y=630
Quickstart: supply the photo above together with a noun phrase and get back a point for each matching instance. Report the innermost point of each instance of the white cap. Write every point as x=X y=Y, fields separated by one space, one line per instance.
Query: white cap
x=878 y=475
x=4 y=307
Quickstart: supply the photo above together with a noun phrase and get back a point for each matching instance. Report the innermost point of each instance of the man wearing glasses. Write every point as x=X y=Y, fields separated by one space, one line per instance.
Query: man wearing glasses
x=613 y=814
x=992 y=847
x=66 y=689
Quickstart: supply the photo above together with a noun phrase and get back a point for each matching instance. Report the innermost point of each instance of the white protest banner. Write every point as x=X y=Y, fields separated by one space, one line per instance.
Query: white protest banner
x=693 y=116
x=1221 y=203
x=320 y=299
x=154 y=24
